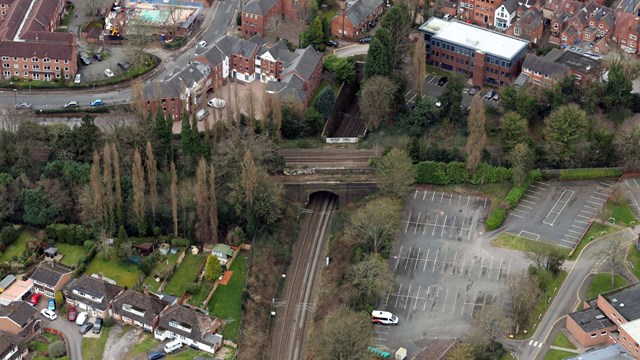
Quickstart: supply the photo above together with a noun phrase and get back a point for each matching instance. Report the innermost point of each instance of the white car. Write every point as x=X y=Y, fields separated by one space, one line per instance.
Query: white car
x=49 y=314
x=82 y=318
x=216 y=103
x=108 y=72
x=202 y=44
x=383 y=318
x=78 y=79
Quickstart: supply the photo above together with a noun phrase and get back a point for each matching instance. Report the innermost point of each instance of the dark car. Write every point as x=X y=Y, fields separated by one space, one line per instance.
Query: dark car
x=97 y=326
x=86 y=327
x=365 y=40
x=332 y=43
x=443 y=80
x=97 y=57
x=373 y=24
x=123 y=65
x=156 y=355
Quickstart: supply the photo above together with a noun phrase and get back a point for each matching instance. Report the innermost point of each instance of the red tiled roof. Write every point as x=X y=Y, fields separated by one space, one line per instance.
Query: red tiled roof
x=13 y=19
x=40 y=50
x=626 y=24
x=41 y=14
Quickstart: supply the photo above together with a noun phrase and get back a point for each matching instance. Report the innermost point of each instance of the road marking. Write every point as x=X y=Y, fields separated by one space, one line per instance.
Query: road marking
x=573 y=231
x=407 y=298
x=444 y=303
x=453 y=264
x=415 y=194
x=571 y=236
x=417 y=296
x=444 y=224
x=490 y=268
x=398 y=296
x=435 y=260
x=471 y=228
x=525 y=206
x=426 y=298
x=606 y=185
x=417 y=259
x=576 y=226
x=433 y=233
x=408 y=256
x=531 y=196
x=584 y=217
x=417 y=222
x=481 y=267
x=426 y=259
x=424 y=196
x=527 y=201
x=454 y=302
x=567 y=241
x=593 y=202
x=468 y=199
x=524 y=233
x=580 y=221
x=522 y=211
x=399 y=257
x=444 y=265
x=433 y=196
x=535 y=344
x=521 y=217
x=530 y=342
x=408 y=220
x=441 y=196
x=558 y=212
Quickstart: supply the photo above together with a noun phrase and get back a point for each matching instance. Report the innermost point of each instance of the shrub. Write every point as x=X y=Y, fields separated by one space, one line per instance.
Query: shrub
x=108 y=322
x=588 y=174
x=193 y=288
x=180 y=242
x=88 y=245
x=440 y=173
x=8 y=235
x=496 y=218
x=516 y=193
x=57 y=349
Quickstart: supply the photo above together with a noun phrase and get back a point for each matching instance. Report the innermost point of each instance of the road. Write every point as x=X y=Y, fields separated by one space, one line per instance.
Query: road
x=351 y=50
x=629 y=6
x=215 y=27
x=565 y=301
x=295 y=308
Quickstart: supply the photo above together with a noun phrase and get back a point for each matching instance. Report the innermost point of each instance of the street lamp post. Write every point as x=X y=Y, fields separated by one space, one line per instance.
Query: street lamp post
x=15 y=97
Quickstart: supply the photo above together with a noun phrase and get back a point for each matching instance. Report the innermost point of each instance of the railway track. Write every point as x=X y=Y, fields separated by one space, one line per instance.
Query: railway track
x=327 y=156
x=289 y=332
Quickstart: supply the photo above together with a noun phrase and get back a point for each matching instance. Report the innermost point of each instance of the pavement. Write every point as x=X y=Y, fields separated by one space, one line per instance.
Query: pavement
x=351 y=50
x=565 y=302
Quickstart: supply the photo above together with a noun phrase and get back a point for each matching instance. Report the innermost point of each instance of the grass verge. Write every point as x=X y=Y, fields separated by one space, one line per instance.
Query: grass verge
x=226 y=302
x=622 y=213
x=145 y=344
x=633 y=258
x=595 y=231
x=122 y=274
x=93 y=348
x=514 y=242
x=558 y=355
x=601 y=283
x=562 y=340
x=17 y=248
x=72 y=253
x=186 y=273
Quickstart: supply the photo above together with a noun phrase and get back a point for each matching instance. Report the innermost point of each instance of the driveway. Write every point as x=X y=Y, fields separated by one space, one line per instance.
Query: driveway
x=71 y=331
x=351 y=50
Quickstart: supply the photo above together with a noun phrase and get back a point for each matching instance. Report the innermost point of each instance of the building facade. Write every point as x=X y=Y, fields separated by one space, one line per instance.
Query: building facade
x=483 y=55
x=356 y=19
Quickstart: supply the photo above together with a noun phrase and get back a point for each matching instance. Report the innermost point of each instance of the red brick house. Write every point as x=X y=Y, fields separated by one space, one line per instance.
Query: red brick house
x=626 y=32
x=29 y=46
x=546 y=71
x=300 y=77
x=256 y=15
x=543 y=72
x=353 y=21
x=529 y=26
x=19 y=319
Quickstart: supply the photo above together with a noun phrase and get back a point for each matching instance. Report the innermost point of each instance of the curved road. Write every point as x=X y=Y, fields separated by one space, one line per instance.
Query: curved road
x=565 y=301
x=214 y=27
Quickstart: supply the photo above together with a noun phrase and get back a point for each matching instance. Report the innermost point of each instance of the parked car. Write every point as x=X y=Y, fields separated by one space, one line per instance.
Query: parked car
x=49 y=314
x=443 y=81
x=23 y=105
x=123 y=65
x=108 y=72
x=97 y=102
x=216 y=103
x=85 y=60
x=472 y=91
x=365 y=40
x=333 y=43
x=86 y=327
x=35 y=299
x=156 y=355
x=383 y=318
x=72 y=314
x=97 y=57
x=78 y=79
x=71 y=105
x=496 y=97
x=82 y=318
x=97 y=326
x=489 y=94
x=52 y=304
x=172 y=346
x=202 y=44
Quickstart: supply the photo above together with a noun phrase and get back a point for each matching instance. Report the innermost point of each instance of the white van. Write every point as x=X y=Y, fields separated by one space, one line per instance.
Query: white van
x=201 y=114
x=172 y=346
x=447 y=17
x=383 y=318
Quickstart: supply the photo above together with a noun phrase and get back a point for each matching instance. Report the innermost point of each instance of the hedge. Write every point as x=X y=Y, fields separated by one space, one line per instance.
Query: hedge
x=496 y=218
x=8 y=235
x=589 y=174
x=69 y=234
x=440 y=173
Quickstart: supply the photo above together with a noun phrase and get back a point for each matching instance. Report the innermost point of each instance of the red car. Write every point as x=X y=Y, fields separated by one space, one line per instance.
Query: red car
x=35 y=298
x=71 y=315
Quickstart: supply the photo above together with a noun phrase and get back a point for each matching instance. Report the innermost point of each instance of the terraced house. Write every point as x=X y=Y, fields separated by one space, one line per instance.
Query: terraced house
x=29 y=46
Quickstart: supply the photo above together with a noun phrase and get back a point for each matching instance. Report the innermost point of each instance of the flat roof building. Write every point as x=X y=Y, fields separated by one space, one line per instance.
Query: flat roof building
x=484 y=55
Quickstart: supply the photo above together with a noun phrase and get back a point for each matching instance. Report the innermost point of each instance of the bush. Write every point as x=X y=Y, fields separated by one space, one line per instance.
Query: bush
x=440 y=173
x=193 y=288
x=88 y=245
x=516 y=193
x=108 y=322
x=57 y=349
x=589 y=174
x=8 y=235
x=180 y=242
x=496 y=218
x=68 y=233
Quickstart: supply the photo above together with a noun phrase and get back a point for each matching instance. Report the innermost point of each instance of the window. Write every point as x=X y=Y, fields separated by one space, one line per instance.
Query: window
x=26 y=74
x=5 y=58
x=516 y=31
x=25 y=66
x=16 y=73
x=555 y=26
x=587 y=36
x=603 y=333
x=6 y=74
x=34 y=59
x=46 y=60
x=36 y=66
x=15 y=66
x=593 y=335
x=600 y=26
x=5 y=65
x=57 y=68
x=633 y=37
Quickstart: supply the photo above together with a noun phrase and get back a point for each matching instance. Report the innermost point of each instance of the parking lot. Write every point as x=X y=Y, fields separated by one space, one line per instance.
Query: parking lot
x=446 y=270
x=558 y=212
x=433 y=90
x=631 y=189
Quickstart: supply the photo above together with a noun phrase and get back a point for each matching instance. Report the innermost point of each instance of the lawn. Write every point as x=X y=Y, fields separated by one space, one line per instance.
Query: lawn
x=187 y=355
x=122 y=274
x=72 y=253
x=185 y=274
x=325 y=82
x=165 y=263
x=558 y=355
x=633 y=256
x=435 y=70
x=17 y=248
x=595 y=230
x=515 y=242
x=201 y=295
x=601 y=283
x=143 y=346
x=226 y=302
x=92 y=348
x=561 y=340
x=622 y=213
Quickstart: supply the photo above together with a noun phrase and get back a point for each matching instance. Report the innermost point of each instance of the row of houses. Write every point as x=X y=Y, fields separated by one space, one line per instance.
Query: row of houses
x=290 y=75
x=160 y=314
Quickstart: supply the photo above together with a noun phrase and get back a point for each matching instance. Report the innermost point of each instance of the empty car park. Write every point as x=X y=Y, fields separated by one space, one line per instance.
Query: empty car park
x=559 y=212
x=446 y=271
x=631 y=189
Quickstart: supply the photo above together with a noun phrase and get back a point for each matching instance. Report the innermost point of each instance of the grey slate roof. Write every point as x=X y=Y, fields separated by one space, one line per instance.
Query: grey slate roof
x=361 y=9
x=214 y=56
x=304 y=62
x=49 y=272
x=172 y=85
x=199 y=323
x=19 y=312
x=258 y=7
x=8 y=343
x=511 y=6
x=545 y=67
x=8 y=280
x=296 y=73
x=94 y=287
x=150 y=304
x=587 y=320
x=626 y=302
x=233 y=45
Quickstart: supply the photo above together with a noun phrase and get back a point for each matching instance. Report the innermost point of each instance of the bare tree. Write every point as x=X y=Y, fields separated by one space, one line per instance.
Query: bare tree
x=277 y=117
x=395 y=173
x=304 y=10
x=343 y=335
x=91 y=8
x=477 y=138
x=377 y=99
x=273 y=24
x=250 y=106
x=461 y=351
x=375 y=224
x=152 y=178
x=174 y=20
x=613 y=256
x=489 y=327
x=95 y=182
x=249 y=177
x=137 y=40
x=419 y=65
x=174 y=198
x=523 y=294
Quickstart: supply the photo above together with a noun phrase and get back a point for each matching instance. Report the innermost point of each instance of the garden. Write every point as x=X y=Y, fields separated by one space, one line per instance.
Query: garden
x=186 y=274
x=226 y=302
x=48 y=346
x=160 y=271
x=123 y=274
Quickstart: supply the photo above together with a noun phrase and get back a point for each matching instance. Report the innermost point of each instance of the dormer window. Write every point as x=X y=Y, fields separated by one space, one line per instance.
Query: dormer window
x=179 y=325
x=133 y=309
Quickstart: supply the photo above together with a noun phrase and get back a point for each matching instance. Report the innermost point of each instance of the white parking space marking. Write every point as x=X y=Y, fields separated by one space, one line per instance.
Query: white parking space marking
x=554 y=213
x=529 y=235
x=527 y=201
x=531 y=197
x=521 y=217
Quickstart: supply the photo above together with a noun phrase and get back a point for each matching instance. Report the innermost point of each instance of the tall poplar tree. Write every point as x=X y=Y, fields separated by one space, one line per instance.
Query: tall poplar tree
x=138 y=188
